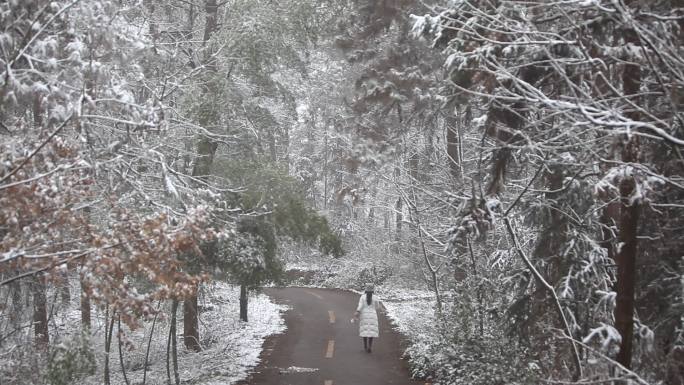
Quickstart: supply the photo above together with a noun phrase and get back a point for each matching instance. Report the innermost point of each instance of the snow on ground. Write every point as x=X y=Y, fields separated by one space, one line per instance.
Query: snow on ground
x=239 y=343
x=297 y=369
x=231 y=347
x=410 y=311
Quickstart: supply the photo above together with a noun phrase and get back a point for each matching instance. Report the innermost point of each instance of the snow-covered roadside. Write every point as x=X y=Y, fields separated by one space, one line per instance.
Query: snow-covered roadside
x=239 y=344
x=231 y=347
x=412 y=313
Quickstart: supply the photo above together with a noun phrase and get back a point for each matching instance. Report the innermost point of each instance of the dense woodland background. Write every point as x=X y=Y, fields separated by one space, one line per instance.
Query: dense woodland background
x=521 y=160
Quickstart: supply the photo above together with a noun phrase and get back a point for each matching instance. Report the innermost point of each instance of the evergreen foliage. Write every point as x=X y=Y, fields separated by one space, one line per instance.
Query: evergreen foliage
x=272 y=206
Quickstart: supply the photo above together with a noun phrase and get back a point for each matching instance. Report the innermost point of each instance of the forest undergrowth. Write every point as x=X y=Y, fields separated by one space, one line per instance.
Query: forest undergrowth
x=230 y=347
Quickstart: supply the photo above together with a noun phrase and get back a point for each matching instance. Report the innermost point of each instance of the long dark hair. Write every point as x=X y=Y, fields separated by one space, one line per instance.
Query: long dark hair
x=369 y=297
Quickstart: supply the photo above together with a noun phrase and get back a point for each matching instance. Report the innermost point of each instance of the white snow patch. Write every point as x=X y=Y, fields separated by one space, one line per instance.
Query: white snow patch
x=297 y=369
x=411 y=311
x=480 y=121
x=231 y=348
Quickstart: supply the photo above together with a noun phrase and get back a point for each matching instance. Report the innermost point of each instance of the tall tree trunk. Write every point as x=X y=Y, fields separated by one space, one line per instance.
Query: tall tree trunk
x=413 y=163
x=480 y=301
x=108 y=344
x=626 y=274
x=40 y=318
x=210 y=25
x=499 y=165
x=286 y=143
x=191 y=19
x=206 y=149
x=65 y=289
x=149 y=345
x=628 y=221
x=173 y=341
x=398 y=207
x=85 y=308
x=172 y=329
x=243 y=303
x=420 y=249
x=191 y=324
x=17 y=305
x=325 y=167
x=453 y=146
x=38 y=286
x=371 y=210
x=400 y=216
x=211 y=19
x=121 y=358
x=153 y=30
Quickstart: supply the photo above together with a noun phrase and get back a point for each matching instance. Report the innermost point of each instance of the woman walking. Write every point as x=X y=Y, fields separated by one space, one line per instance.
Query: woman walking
x=367 y=315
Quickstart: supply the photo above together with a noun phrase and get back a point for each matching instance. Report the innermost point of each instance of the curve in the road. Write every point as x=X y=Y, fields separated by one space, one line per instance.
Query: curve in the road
x=322 y=347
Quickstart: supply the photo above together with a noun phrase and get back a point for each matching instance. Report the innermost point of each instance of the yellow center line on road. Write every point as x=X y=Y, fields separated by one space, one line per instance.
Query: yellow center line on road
x=331 y=348
x=331 y=315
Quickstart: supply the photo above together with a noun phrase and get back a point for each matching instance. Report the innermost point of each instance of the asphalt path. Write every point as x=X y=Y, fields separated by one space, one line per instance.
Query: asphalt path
x=322 y=347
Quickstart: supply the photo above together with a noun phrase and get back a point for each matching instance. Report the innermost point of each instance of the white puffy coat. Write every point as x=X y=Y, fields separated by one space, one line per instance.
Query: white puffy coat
x=368 y=317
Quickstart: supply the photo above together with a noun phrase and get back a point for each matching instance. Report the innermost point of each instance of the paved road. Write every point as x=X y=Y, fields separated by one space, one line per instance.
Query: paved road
x=326 y=347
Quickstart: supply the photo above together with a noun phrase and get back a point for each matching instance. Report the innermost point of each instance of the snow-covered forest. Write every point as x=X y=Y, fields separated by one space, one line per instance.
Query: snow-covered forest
x=508 y=173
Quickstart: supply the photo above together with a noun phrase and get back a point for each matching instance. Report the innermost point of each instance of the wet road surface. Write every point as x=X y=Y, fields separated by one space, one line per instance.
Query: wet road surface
x=322 y=347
